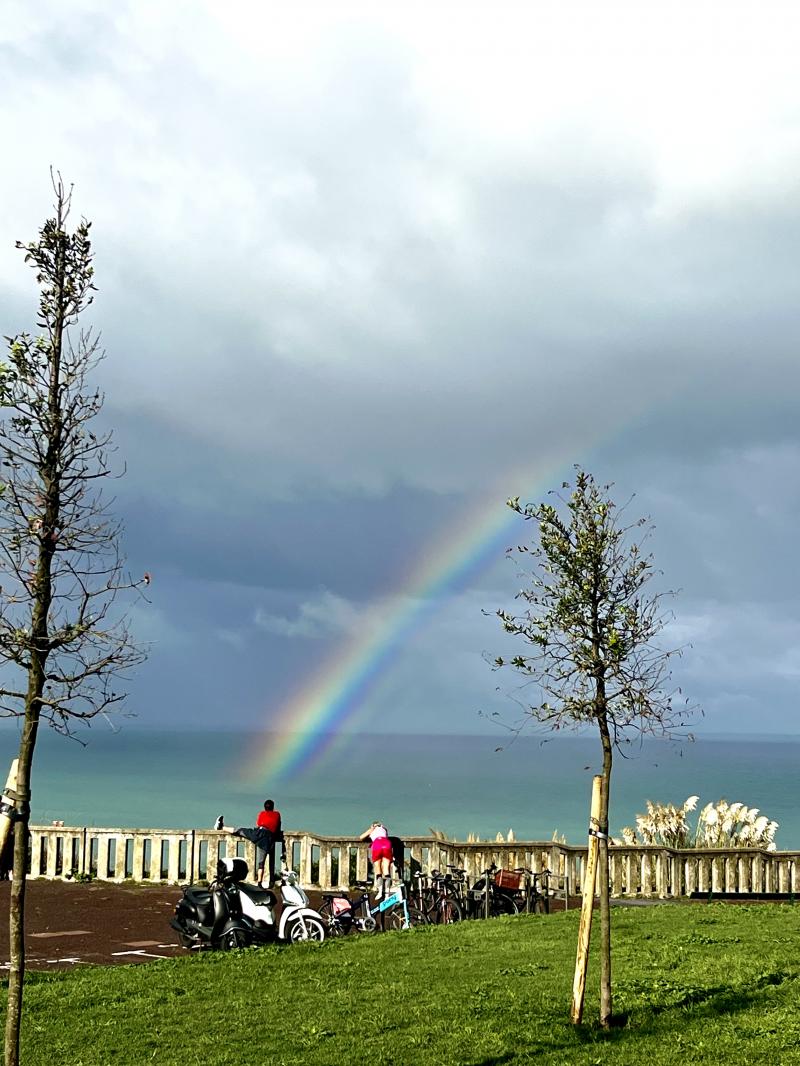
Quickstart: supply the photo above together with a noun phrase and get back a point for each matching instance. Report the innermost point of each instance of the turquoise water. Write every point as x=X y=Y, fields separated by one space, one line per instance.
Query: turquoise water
x=458 y=784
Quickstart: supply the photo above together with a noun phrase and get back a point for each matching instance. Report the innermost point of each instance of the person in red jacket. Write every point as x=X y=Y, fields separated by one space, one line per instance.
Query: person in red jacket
x=269 y=819
x=265 y=836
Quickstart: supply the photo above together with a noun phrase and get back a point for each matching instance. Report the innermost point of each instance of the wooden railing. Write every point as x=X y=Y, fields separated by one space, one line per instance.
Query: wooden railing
x=177 y=856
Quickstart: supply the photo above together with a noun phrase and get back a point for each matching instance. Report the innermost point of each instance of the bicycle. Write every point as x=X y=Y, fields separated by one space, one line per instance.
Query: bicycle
x=418 y=890
x=533 y=896
x=343 y=914
x=442 y=906
x=400 y=914
x=487 y=897
x=457 y=886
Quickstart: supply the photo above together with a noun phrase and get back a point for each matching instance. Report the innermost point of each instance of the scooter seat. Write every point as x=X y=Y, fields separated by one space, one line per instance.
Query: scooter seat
x=199 y=897
x=262 y=897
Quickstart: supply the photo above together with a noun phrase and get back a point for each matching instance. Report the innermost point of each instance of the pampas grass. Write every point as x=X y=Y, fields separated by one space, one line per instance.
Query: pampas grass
x=719 y=825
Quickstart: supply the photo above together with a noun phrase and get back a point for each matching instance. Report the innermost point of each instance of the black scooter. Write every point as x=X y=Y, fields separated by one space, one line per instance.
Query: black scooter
x=212 y=917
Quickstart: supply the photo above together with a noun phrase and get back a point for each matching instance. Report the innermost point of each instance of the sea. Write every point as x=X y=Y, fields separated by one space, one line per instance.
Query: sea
x=536 y=785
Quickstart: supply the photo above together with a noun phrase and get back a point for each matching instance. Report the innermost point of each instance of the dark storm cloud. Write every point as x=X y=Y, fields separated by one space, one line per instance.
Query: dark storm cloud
x=221 y=527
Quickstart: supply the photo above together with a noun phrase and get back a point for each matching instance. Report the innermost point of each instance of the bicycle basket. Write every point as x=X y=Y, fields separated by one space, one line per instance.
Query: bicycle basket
x=508 y=879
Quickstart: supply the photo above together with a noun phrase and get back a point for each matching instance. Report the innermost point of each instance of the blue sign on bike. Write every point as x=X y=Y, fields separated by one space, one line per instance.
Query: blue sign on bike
x=390 y=901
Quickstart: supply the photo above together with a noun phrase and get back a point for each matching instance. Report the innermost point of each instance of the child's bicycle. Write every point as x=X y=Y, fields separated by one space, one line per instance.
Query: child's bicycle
x=343 y=914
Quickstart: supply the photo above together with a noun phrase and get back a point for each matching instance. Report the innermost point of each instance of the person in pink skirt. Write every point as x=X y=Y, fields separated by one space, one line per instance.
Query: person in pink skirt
x=381 y=855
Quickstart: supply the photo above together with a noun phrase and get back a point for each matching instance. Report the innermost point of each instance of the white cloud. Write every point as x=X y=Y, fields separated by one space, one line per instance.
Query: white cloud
x=750 y=643
x=153 y=627
x=234 y=638
x=323 y=617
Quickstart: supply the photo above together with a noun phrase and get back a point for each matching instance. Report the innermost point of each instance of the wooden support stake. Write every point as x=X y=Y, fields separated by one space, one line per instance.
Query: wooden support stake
x=587 y=903
x=8 y=804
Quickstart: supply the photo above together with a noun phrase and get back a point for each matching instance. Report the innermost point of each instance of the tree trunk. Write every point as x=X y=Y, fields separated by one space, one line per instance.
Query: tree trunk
x=16 y=913
x=36 y=678
x=602 y=881
x=48 y=449
x=39 y=644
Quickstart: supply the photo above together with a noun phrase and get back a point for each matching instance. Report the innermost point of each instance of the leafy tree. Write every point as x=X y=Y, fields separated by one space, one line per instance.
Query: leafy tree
x=591 y=627
x=63 y=639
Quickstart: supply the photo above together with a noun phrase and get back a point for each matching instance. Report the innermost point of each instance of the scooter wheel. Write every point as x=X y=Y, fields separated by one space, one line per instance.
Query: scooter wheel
x=314 y=930
x=233 y=940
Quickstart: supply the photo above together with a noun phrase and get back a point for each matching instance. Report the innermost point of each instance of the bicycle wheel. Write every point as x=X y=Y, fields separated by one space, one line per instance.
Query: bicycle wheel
x=502 y=904
x=445 y=912
x=476 y=906
x=334 y=926
x=396 y=919
x=417 y=917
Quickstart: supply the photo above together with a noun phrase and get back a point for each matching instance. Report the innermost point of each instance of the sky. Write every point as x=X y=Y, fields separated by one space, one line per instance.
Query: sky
x=365 y=271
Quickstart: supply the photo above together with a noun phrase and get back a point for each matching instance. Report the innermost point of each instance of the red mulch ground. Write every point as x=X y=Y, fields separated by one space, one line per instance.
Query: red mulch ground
x=67 y=924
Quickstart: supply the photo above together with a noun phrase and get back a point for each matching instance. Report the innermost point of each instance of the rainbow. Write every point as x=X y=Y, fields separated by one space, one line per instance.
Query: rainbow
x=309 y=722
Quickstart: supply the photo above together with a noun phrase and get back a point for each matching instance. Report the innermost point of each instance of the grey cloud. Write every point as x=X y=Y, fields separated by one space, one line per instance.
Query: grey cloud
x=328 y=312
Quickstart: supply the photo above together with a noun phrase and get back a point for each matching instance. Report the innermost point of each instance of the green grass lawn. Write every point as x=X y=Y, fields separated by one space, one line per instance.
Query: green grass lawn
x=693 y=984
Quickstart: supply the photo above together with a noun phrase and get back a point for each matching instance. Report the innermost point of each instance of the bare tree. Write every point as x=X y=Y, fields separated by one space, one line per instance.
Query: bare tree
x=592 y=628
x=64 y=641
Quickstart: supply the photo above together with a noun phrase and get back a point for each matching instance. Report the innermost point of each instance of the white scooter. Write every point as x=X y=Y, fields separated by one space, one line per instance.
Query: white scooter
x=297 y=920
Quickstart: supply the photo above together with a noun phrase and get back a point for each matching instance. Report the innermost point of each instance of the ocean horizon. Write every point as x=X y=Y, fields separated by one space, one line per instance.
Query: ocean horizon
x=538 y=785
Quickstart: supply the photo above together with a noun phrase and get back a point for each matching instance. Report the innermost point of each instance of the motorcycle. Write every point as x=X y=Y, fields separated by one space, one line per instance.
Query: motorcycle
x=233 y=914
x=212 y=917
